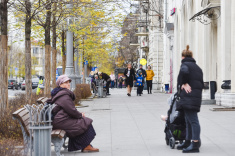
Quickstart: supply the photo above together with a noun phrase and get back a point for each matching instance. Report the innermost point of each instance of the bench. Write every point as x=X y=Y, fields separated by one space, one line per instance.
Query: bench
x=57 y=136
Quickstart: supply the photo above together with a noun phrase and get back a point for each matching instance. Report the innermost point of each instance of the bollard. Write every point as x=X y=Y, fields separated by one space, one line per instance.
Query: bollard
x=40 y=129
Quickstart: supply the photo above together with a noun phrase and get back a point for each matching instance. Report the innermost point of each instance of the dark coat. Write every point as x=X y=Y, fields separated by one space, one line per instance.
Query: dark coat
x=192 y=74
x=105 y=76
x=66 y=115
x=131 y=78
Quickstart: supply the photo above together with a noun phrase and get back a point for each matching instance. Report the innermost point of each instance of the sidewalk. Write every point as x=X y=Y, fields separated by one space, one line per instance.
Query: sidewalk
x=131 y=126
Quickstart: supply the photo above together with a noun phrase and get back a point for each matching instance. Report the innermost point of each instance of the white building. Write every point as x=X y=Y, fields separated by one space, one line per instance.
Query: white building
x=208 y=27
x=150 y=34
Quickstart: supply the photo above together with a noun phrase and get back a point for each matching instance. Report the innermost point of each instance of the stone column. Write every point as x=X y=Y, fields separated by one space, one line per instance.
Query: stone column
x=225 y=52
x=233 y=46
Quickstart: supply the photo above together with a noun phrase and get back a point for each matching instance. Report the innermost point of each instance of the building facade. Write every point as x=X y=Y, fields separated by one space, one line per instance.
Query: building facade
x=208 y=27
x=150 y=34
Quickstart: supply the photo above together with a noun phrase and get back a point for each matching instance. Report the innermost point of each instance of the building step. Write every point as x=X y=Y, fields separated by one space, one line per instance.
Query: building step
x=208 y=102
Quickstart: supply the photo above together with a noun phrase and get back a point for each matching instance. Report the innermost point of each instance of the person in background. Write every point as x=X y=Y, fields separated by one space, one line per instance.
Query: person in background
x=105 y=77
x=77 y=126
x=120 y=81
x=92 y=76
x=96 y=71
x=139 y=82
x=144 y=75
x=190 y=85
x=149 y=79
x=129 y=73
x=112 y=76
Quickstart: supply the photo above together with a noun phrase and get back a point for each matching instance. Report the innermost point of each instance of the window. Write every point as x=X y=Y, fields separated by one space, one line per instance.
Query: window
x=35 y=50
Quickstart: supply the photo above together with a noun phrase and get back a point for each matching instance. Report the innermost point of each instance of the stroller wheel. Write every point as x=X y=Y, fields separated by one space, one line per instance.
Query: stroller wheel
x=172 y=142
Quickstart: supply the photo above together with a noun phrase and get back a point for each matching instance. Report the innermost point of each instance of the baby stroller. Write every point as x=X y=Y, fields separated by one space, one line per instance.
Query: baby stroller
x=175 y=128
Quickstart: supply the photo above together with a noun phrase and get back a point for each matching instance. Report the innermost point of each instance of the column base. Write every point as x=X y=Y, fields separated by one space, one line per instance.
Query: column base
x=156 y=86
x=206 y=94
x=225 y=99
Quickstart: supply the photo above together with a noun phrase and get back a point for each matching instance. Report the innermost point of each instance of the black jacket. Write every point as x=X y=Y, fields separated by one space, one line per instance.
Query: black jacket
x=192 y=74
x=131 y=78
x=105 y=76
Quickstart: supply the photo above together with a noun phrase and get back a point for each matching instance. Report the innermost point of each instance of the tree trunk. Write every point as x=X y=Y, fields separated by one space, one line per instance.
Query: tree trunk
x=63 y=52
x=3 y=56
x=47 y=28
x=3 y=73
x=28 y=76
x=54 y=51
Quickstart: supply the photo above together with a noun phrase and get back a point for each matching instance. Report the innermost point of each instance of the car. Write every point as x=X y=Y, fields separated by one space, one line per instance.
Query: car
x=22 y=86
x=35 y=82
x=13 y=84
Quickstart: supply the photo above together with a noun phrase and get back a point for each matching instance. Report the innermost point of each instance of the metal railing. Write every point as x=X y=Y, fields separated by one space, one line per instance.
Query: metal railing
x=40 y=129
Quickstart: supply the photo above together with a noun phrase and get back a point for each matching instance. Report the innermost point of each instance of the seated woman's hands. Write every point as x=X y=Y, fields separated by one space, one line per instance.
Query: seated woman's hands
x=186 y=87
x=83 y=114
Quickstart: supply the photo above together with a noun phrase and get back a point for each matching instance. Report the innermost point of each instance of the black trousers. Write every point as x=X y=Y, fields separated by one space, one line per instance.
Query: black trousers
x=120 y=85
x=149 y=85
x=107 y=86
x=140 y=89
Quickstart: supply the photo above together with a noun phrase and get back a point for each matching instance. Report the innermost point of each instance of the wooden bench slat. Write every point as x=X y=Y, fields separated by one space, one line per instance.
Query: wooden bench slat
x=62 y=133
x=58 y=133
x=44 y=100
x=39 y=101
x=23 y=113
x=17 y=112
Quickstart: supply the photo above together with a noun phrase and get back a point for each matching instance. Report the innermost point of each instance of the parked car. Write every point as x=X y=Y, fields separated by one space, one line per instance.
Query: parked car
x=22 y=86
x=35 y=82
x=13 y=84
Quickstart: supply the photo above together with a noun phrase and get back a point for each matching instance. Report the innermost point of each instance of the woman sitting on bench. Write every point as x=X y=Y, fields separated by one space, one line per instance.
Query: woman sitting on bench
x=78 y=128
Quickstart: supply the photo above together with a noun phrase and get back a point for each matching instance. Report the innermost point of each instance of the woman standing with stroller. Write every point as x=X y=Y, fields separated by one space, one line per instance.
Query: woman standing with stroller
x=130 y=77
x=190 y=85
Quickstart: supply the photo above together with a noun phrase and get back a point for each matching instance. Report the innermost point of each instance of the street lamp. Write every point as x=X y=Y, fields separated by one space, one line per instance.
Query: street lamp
x=69 y=70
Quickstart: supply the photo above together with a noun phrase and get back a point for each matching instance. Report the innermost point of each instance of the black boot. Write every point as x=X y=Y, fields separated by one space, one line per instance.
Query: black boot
x=193 y=148
x=185 y=144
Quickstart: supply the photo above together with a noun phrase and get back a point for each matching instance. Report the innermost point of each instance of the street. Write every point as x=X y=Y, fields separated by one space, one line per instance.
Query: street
x=131 y=126
x=12 y=93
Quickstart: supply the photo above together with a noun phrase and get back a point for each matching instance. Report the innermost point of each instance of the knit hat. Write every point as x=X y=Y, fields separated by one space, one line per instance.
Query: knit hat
x=62 y=79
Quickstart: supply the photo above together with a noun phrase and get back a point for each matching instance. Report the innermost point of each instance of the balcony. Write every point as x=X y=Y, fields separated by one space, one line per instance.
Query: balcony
x=142 y=34
x=134 y=44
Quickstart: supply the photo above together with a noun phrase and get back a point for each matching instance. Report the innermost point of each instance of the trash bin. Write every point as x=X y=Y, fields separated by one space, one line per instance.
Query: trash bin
x=40 y=129
x=166 y=87
x=213 y=89
x=100 y=88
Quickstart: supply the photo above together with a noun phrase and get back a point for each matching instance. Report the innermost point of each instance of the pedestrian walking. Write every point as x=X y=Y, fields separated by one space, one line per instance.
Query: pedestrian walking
x=77 y=126
x=139 y=82
x=112 y=76
x=144 y=75
x=149 y=79
x=105 y=77
x=129 y=73
x=190 y=85
x=120 y=82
